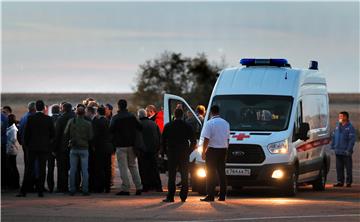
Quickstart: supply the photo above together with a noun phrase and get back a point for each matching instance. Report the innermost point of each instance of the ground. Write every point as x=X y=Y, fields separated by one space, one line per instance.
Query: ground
x=333 y=204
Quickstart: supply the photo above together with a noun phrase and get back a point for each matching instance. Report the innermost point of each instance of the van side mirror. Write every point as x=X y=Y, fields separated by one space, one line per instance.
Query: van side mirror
x=303 y=131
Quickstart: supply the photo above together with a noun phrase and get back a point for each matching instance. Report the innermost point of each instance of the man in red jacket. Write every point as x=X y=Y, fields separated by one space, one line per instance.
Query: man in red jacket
x=158 y=117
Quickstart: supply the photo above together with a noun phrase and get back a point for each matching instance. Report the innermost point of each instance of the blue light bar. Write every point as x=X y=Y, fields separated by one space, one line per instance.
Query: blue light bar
x=264 y=62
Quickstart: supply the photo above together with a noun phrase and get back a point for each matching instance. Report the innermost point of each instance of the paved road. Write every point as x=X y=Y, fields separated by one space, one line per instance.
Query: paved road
x=334 y=204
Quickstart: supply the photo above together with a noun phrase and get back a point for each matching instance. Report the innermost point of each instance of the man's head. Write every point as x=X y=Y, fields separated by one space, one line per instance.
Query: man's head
x=11 y=119
x=343 y=117
x=55 y=109
x=80 y=110
x=66 y=107
x=39 y=105
x=108 y=110
x=200 y=109
x=179 y=113
x=90 y=111
x=101 y=111
x=142 y=113
x=122 y=104
x=215 y=110
x=151 y=110
x=31 y=107
x=6 y=110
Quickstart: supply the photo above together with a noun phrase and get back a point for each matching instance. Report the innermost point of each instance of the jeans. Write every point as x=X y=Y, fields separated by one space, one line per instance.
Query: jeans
x=127 y=161
x=341 y=163
x=75 y=156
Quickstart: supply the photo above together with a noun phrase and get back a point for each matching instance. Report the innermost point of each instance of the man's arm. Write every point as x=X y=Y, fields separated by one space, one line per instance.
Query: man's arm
x=205 y=148
x=352 y=140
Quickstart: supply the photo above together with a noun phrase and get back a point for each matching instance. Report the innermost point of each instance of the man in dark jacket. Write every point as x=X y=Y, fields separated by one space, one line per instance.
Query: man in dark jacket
x=55 y=110
x=38 y=135
x=149 y=172
x=62 y=151
x=176 y=137
x=343 y=142
x=102 y=153
x=4 y=125
x=123 y=126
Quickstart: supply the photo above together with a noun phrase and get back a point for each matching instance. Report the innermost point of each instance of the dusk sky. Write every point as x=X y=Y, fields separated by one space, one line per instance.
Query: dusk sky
x=98 y=47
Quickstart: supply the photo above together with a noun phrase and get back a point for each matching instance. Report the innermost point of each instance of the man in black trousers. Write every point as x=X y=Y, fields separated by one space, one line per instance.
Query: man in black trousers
x=176 y=137
x=216 y=133
x=62 y=150
x=103 y=149
x=38 y=136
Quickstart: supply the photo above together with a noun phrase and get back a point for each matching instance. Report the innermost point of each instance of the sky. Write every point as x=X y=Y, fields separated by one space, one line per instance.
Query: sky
x=98 y=46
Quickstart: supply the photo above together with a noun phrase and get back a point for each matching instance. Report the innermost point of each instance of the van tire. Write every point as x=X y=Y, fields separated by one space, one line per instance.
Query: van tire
x=320 y=183
x=291 y=187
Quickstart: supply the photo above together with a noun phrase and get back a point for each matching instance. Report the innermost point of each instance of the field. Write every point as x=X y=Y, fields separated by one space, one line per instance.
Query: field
x=18 y=102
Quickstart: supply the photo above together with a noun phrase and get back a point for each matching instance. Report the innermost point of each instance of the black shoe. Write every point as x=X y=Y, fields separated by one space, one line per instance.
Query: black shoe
x=183 y=200
x=72 y=193
x=221 y=199
x=41 y=194
x=207 y=199
x=338 y=185
x=21 y=195
x=138 y=192
x=178 y=184
x=167 y=200
x=107 y=190
x=123 y=193
x=348 y=185
x=86 y=194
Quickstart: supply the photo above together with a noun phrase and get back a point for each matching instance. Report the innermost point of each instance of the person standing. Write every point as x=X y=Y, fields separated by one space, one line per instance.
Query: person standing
x=108 y=115
x=157 y=116
x=176 y=137
x=103 y=149
x=216 y=134
x=62 y=150
x=4 y=125
x=148 y=167
x=38 y=135
x=12 y=149
x=343 y=141
x=123 y=127
x=79 y=133
x=55 y=110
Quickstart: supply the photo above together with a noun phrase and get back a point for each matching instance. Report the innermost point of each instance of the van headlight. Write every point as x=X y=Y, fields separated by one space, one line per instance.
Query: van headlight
x=281 y=147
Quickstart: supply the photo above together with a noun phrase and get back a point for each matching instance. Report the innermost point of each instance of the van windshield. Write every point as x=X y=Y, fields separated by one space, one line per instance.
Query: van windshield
x=255 y=112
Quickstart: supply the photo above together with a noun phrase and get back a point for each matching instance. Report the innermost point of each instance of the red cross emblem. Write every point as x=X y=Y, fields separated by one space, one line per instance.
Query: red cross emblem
x=240 y=136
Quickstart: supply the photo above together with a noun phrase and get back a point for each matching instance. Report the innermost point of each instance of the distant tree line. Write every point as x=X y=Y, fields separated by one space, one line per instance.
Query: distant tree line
x=191 y=78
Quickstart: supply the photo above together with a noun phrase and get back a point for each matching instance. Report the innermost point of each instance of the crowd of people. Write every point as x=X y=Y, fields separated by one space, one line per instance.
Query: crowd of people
x=82 y=143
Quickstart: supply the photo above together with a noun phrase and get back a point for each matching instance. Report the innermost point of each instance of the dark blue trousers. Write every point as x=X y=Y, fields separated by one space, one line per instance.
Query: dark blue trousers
x=344 y=163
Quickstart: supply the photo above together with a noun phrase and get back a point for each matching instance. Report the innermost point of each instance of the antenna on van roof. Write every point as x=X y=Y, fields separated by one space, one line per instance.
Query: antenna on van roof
x=313 y=65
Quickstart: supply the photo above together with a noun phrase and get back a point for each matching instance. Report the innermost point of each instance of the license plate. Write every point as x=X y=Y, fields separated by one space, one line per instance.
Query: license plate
x=237 y=172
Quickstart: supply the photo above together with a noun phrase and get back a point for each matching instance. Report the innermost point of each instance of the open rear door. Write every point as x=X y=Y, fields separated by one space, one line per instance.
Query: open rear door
x=171 y=102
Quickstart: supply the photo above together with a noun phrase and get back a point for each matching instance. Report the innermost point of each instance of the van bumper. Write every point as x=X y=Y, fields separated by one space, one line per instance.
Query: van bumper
x=261 y=175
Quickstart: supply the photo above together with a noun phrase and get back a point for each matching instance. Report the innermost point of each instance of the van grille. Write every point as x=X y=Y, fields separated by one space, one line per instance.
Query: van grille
x=245 y=153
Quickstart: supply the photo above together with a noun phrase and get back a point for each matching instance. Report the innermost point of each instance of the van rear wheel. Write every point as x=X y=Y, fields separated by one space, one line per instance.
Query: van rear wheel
x=320 y=183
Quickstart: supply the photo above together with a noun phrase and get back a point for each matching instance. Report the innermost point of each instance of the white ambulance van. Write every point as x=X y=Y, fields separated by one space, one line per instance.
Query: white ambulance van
x=279 y=122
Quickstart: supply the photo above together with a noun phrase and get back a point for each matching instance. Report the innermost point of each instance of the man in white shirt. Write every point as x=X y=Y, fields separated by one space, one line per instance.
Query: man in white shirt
x=216 y=135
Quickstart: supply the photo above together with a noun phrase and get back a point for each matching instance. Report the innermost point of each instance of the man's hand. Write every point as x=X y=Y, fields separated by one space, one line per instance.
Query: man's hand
x=203 y=155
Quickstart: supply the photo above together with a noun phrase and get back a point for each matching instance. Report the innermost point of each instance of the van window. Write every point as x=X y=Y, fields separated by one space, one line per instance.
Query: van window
x=188 y=115
x=255 y=112
x=315 y=111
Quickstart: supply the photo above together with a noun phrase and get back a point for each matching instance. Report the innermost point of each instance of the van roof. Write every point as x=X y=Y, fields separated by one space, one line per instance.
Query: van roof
x=265 y=80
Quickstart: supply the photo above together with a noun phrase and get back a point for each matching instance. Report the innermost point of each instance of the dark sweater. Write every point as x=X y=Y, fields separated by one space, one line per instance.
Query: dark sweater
x=123 y=127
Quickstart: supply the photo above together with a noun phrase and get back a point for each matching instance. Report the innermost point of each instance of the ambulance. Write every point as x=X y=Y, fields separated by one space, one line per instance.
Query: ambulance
x=279 y=126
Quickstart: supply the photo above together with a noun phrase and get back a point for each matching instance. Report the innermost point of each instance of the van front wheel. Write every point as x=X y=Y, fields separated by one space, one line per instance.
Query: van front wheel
x=291 y=187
